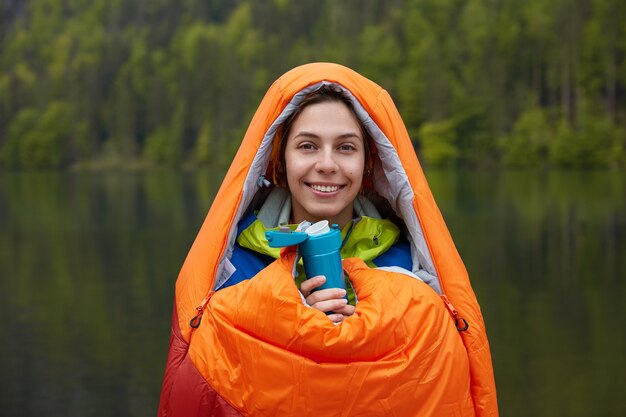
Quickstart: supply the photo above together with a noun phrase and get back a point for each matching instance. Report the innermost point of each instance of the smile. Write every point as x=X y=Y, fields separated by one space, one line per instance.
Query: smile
x=325 y=188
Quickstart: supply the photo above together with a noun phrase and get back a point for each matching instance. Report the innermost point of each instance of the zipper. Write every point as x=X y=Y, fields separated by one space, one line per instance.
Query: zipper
x=460 y=323
x=195 y=322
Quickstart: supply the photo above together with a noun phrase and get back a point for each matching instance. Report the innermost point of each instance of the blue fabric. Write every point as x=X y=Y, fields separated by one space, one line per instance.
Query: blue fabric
x=249 y=263
x=245 y=223
x=397 y=255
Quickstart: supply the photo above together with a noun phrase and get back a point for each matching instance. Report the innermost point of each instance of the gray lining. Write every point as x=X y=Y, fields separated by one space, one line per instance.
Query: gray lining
x=276 y=209
x=390 y=181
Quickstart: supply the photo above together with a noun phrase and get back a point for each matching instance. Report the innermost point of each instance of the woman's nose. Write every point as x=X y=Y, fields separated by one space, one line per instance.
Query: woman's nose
x=326 y=162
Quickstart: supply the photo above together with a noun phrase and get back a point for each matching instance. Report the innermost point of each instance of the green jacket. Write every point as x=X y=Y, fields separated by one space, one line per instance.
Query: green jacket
x=365 y=237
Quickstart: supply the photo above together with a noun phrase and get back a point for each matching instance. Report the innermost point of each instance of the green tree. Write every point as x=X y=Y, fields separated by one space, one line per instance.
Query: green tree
x=122 y=67
x=438 y=143
x=37 y=140
x=527 y=144
x=164 y=145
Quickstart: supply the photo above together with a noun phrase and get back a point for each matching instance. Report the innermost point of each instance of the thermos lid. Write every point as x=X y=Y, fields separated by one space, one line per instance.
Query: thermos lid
x=325 y=240
x=315 y=239
x=318 y=228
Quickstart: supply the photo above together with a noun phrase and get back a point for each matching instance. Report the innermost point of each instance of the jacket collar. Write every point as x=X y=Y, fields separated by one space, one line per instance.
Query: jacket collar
x=364 y=237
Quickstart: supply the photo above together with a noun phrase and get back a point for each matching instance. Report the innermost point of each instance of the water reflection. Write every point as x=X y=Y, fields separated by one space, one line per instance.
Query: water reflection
x=547 y=257
x=88 y=262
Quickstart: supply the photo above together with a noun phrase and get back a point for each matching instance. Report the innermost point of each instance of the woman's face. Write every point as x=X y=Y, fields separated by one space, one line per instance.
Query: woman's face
x=324 y=162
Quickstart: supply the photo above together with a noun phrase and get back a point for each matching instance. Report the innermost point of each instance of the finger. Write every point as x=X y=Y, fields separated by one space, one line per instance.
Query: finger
x=335 y=318
x=324 y=295
x=310 y=284
x=346 y=310
x=330 y=305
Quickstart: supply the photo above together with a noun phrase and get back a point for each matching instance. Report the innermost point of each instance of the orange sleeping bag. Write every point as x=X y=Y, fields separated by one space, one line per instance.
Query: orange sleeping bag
x=254 y=349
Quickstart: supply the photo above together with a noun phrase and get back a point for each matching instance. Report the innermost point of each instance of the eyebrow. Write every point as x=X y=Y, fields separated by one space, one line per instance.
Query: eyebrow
x=342 y=136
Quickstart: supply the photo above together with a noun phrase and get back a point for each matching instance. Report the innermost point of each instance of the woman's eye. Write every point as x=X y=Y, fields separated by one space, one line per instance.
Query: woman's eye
x=347 y=147
x=307 y=146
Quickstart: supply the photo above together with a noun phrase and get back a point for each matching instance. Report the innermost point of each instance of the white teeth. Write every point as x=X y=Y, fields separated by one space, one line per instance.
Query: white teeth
x=325 y=188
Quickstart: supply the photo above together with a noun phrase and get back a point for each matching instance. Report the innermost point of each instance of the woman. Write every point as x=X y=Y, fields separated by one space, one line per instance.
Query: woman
x=244 y=342
x=320 y=156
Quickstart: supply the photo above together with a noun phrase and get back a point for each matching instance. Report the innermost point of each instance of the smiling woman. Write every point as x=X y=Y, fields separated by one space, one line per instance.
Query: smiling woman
x=325 y=160
x=324 y=157
x=322 y=153
x=252 y=335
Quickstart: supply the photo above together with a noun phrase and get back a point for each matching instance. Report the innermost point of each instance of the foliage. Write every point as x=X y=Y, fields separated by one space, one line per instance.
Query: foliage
x=438 y=143
x=526 y=145
x=37 y=140
x=597 y=144
x=164 y=145
x=531 y=82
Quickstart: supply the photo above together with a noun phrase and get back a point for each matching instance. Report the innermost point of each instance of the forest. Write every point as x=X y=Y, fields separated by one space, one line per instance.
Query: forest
x=134 y=84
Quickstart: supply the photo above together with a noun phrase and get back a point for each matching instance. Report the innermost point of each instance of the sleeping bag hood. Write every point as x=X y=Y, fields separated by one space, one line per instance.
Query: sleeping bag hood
x=414 y=347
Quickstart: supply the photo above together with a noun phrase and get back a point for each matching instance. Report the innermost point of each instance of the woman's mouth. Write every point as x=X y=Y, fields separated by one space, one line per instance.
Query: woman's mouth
x=325 y=188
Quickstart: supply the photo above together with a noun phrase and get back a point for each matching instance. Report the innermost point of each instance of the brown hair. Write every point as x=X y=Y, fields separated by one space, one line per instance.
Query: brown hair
x=327 y=93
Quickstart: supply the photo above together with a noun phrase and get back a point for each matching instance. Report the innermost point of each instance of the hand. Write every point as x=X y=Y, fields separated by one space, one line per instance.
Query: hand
x=330 y=299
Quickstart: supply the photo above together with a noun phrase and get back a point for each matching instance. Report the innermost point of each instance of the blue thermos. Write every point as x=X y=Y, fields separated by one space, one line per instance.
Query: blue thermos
x=319 y=247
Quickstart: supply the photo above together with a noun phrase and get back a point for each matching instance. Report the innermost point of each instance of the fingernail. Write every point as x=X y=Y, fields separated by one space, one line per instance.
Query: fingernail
x=342 y=292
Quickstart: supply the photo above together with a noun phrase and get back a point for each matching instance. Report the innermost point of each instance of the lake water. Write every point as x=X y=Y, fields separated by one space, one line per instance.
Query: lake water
x=88 y=264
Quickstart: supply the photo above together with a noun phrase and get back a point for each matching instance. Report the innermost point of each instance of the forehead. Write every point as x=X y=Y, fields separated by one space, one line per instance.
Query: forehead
x=331 y=117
